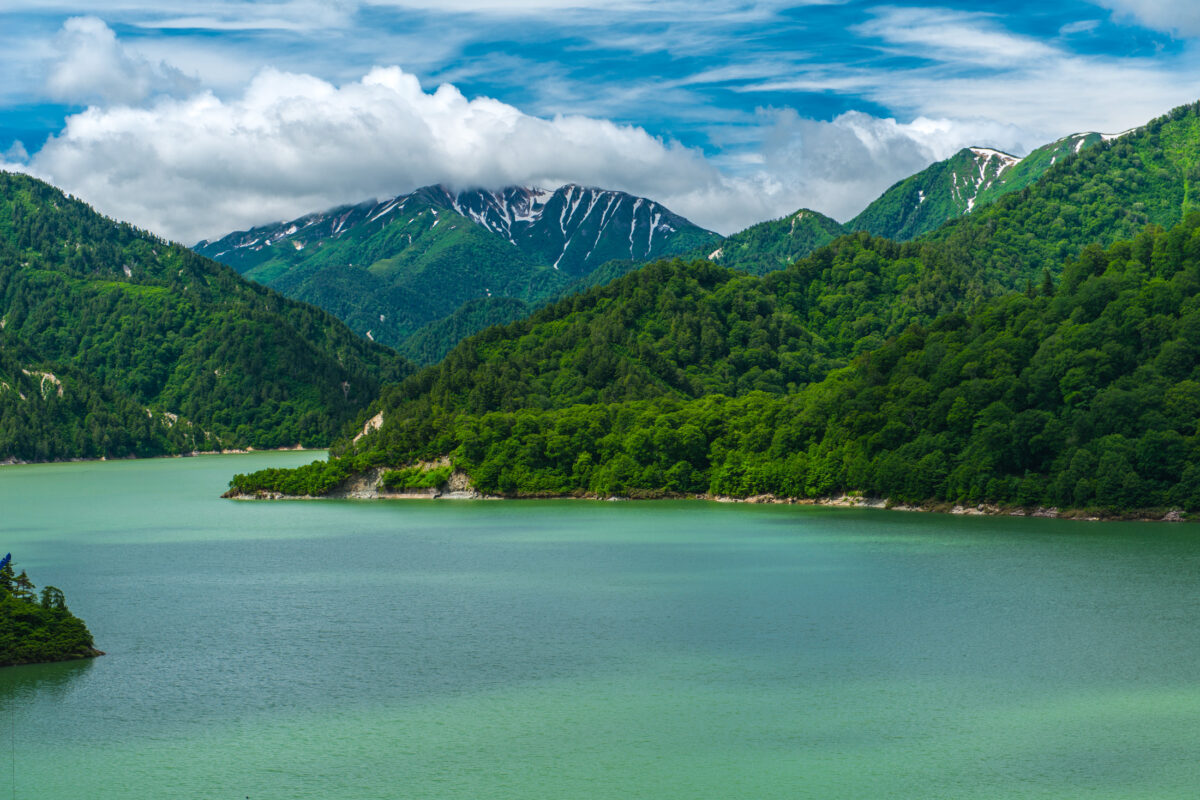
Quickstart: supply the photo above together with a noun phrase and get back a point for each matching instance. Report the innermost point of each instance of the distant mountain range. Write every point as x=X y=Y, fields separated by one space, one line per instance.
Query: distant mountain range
x=421 y=271
x=390 y=268
x=1041 y=350
x=972 y=178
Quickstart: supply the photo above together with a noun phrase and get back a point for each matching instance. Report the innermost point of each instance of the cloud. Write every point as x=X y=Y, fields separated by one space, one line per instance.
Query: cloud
x=91 y=66
x=279 y=15
x=838 y=166
x=964 y=66
x=1172 y=16
x=198 y=167
x=1079 y=26
x=16 y=153
x=947 y=35
x=293 y=143
x=270 y=144
x=726 y=10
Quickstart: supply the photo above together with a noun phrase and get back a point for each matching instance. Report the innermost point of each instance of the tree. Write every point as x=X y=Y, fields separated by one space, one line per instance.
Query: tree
x=23 y=588
x=53 y=598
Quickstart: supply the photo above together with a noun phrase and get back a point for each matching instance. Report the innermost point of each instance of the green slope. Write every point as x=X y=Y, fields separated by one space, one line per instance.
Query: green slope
x=1103 y=193
x=773 y=245
x=391 y=269
x=1086 y=396
x=918 y=205
x=1033 y=166
x=674 y=333
x=134 y=327
x=941 y=192
x=431 y=343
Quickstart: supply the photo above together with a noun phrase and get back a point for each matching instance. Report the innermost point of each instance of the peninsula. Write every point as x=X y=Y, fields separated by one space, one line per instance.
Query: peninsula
x=37 y=629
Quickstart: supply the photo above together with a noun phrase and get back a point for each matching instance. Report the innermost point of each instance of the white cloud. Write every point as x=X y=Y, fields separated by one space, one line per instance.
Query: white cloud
x=16 y=153
x=280 y=15
x=1173 y=16
x=202 y=166
x=92 y=66
x=946 y=35
x=970 y=68
x=726 y=10
x=838 y=166
x=1079 y=26
x=293 y=143
x=191 y=165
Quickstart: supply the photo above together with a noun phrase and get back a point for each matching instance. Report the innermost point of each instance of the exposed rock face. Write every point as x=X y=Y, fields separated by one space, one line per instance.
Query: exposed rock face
x=373 y=424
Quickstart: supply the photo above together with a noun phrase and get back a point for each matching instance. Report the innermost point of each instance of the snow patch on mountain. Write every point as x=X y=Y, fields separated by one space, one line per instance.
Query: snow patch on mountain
x=572 y=227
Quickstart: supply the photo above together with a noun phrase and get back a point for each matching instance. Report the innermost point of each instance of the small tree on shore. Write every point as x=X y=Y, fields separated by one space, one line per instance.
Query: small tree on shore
x=53 y=598
x=23 y=588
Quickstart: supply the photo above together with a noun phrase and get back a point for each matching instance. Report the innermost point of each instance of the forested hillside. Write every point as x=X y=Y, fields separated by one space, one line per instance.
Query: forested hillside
x=396 y=271
x=691 y=329
x=117 y=343
x=775 y=244
x=1007 y=358
x=918 y=205
x=1085 y=394
x=939 y=193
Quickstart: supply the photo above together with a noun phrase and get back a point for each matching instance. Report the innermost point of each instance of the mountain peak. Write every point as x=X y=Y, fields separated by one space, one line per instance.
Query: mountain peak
x=988 y=153
x=573 y=228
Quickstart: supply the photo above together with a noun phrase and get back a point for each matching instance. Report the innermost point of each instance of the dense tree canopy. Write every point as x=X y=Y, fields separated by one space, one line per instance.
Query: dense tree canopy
x=114 y=343
x=38 y=627
x=1082 y=395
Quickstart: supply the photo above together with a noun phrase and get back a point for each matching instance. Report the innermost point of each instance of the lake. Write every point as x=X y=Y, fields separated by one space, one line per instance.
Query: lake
x=562 y=649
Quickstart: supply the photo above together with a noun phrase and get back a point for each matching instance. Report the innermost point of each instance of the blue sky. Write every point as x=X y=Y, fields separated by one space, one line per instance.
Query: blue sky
x=195 y=118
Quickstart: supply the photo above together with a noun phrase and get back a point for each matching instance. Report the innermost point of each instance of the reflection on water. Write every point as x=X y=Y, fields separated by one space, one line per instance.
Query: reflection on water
x=48 y=681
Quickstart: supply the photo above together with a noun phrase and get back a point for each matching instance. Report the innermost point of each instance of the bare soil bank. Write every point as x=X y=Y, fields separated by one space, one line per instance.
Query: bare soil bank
x=366 y=486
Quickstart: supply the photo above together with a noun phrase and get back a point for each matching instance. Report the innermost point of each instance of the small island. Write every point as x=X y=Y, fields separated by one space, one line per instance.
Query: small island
x=37 y=629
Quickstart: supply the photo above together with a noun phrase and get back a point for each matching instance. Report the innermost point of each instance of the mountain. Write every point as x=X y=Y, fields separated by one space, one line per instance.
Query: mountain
x=576 y=229
x=972 y=178
x=388 y=269
x=921 y=203
x=114 y=343
x=1030 y=168
x=775 y=244
x=952 y=368
x=936 y=194
x=1080 y=396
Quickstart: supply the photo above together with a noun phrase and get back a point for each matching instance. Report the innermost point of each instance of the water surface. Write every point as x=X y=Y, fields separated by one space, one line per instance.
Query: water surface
x=416 y=649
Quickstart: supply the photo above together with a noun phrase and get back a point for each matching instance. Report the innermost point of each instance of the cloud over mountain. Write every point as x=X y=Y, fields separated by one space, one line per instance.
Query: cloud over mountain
x=194 y=167
x=191 y=161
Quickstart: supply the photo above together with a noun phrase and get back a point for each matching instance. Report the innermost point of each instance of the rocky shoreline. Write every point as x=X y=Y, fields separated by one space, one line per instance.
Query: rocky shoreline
x=366 y=486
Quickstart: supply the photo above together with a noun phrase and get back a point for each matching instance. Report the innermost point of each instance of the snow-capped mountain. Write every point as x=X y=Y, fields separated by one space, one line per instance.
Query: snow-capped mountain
x=388 y=268
x=576 y=228
x=972 y=177
x=573 y=229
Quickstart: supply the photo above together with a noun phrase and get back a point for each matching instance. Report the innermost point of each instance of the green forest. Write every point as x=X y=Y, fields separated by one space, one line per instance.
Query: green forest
x=1040 y=351
x=37 y=627
x=1084 y=394
x=115 y=343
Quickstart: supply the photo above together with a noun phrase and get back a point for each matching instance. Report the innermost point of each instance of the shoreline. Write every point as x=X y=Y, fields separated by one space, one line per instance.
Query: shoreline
x=296 y=448
x=365 y=486
x=78 y=657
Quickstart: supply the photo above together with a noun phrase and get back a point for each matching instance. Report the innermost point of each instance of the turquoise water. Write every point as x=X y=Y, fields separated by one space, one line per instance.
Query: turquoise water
x=416 y=649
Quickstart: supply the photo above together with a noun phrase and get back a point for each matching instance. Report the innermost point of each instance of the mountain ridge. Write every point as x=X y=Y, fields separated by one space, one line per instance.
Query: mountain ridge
x=114 y=342
x=391 y=268
x=1039 y=350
